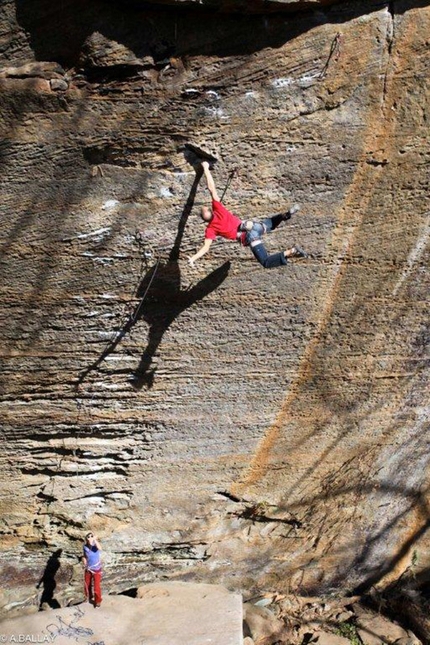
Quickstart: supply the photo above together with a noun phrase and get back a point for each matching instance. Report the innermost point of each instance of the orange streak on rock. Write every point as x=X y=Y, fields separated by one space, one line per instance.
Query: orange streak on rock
x=378 y=143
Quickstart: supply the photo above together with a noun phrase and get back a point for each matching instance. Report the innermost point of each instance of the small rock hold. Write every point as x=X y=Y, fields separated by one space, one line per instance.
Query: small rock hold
x=58 y=84
x=263 y=602
x=44 y=70
x=375 y=629
x=343 y=616
x=408 y=640
x=27 y=84
x=100 y=51
x=148 y=591
x=324 y=638
x=110 y=203
x=261 y=623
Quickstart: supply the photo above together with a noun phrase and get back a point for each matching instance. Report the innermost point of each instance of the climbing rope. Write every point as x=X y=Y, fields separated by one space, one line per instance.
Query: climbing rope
x=134 y=317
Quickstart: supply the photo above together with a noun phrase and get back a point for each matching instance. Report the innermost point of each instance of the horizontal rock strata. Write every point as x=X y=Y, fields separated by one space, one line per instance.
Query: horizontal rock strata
x=264 y=429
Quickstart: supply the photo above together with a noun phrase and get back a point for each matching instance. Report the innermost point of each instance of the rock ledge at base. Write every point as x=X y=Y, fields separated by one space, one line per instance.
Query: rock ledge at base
x=163 y=614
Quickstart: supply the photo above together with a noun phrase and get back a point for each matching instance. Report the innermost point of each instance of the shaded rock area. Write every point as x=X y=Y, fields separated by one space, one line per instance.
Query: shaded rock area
x=261 y=429
x=333 y=620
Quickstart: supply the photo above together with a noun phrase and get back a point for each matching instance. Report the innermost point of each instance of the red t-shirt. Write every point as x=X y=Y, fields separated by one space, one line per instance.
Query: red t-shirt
x=222 y=223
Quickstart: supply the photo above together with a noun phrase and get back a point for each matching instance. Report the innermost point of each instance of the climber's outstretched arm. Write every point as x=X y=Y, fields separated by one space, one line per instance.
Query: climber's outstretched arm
x=209 y=180
x=205 y=248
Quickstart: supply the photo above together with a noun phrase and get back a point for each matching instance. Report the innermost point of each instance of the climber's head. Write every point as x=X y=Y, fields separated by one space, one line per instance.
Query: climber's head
x=206 y=214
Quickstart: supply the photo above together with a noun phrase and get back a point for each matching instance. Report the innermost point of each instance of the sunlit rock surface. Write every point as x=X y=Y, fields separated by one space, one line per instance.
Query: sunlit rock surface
x=262 y=429
x=169 y=613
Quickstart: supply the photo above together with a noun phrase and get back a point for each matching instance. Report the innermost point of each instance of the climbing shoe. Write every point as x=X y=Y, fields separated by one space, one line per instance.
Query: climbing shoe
x=297 y=252
x=291 y=211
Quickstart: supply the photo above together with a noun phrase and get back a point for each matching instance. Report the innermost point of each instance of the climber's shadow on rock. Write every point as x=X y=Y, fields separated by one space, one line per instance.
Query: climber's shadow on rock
x=161 y=301
x=164 y=302
x=47 y=581
x=164 y=298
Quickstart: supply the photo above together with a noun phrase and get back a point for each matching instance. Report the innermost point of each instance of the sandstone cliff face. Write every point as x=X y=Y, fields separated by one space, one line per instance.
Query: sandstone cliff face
x=266 y=429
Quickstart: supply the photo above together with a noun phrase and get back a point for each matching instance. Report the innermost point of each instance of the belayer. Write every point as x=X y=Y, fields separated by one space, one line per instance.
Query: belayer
x=222 y=222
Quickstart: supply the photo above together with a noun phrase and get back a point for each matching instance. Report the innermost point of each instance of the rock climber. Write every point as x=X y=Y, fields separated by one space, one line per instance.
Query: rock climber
x=222 y=222
x=93 y=570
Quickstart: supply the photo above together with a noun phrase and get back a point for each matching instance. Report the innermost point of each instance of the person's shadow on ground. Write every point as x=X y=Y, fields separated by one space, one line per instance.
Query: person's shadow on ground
x=48 y=581
x=161 y=301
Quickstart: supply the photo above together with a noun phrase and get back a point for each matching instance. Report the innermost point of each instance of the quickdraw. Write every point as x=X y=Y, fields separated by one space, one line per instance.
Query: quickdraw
x=229 y=180
x=334 y=51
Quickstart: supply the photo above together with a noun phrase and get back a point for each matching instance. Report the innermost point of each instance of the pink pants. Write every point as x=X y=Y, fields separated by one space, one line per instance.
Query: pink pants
x=93 y=589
